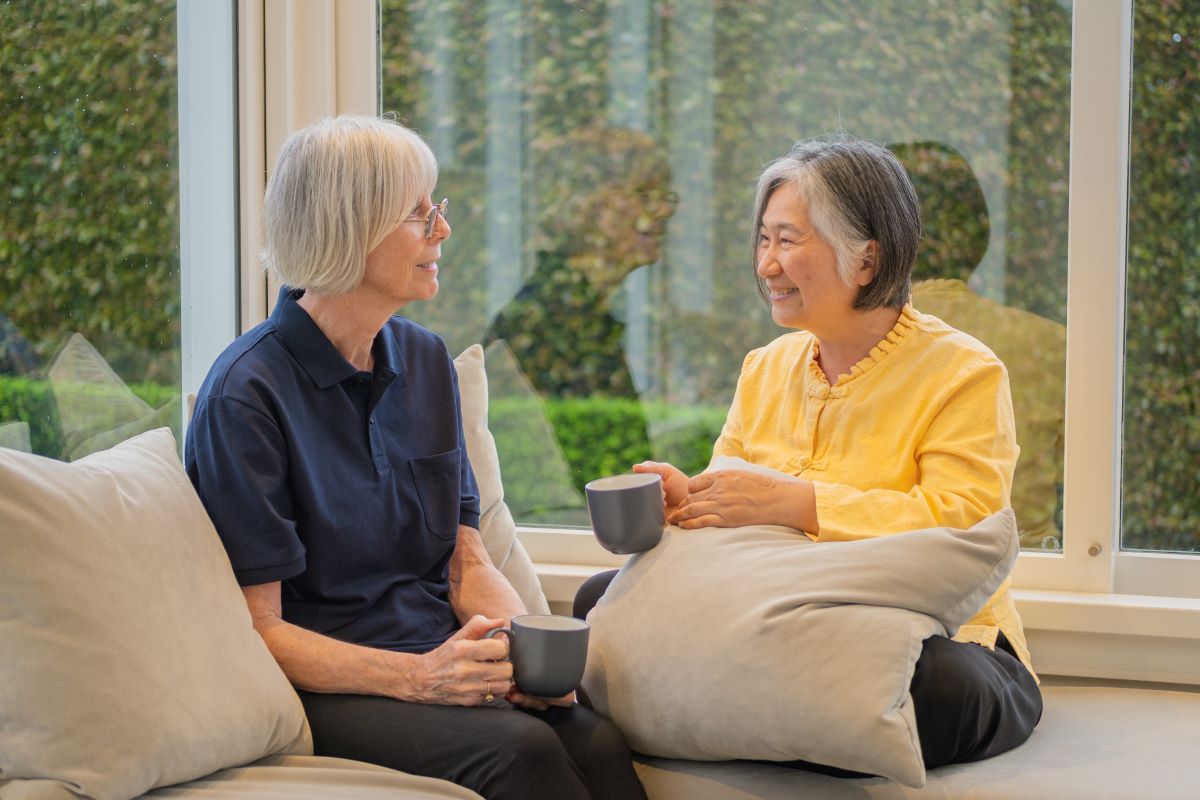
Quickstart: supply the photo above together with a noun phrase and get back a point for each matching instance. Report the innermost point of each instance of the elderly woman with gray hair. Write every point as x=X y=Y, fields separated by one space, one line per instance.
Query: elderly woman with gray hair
x=891 y=419
x=327 y=446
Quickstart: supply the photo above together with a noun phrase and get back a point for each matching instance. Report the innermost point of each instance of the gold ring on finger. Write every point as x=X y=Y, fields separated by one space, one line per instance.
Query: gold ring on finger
x=489 y=697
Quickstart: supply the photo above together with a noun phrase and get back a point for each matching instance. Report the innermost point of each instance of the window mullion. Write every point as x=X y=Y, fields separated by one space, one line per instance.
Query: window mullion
x=1100 y=87
x=207 y=184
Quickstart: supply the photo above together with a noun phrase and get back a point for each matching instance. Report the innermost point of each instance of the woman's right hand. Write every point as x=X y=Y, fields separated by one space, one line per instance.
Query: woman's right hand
x=464 y=669
x=674 y=482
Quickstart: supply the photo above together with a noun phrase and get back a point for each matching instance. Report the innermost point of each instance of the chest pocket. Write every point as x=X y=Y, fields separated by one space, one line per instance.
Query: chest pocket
x=437 y=481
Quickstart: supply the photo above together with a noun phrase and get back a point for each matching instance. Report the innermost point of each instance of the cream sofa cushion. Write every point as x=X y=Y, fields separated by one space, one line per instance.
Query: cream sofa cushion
x=314 y=778
x=756 y=643
x=130 y=661
x=496 y=525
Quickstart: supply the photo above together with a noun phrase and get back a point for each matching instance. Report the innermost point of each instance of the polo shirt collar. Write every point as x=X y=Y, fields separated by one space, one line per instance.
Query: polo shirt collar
x=389 y=364
x=312 y=349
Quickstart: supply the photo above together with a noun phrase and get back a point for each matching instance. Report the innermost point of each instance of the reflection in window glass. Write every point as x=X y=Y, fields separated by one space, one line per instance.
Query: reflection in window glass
x=89 y=267
x=1161 y=464
x=601 y=156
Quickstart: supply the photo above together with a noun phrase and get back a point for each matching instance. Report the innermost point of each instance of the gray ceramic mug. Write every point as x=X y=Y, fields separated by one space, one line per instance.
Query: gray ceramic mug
x=548 y=653
x=627 y=511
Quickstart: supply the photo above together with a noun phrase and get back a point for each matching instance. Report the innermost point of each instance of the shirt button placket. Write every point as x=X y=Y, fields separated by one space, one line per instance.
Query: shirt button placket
x=377 y=451
x=806 y=446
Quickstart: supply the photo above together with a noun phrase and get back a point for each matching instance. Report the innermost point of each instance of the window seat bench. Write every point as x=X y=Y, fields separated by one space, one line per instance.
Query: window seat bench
x=1097 y=739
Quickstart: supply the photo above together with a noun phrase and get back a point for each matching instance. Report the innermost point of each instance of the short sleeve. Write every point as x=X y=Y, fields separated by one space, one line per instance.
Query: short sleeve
x=237 y=459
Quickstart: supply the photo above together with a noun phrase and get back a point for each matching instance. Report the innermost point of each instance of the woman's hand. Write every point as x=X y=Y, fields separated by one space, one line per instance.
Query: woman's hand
x=731 y=498
x=464 y=670
x=674 y=482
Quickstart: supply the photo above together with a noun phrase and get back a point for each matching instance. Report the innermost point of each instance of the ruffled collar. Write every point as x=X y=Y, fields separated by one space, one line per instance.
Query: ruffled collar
x=906 y=326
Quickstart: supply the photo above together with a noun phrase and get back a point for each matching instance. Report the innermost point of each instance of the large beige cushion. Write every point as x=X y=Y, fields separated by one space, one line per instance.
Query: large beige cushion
x=496 y=525
x=129 y=659
x=755 y=643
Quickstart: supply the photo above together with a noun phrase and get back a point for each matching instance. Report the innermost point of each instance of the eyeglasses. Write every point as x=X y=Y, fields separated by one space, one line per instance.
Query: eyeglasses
x=431 y=219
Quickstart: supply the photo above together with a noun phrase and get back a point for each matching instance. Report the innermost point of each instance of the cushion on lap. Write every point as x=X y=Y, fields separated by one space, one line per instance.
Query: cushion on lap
x=756 y=643
x=130 y=657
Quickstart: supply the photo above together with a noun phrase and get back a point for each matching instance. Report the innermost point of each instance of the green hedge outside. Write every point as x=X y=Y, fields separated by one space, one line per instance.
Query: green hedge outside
x=32 y=401
x=550 y=450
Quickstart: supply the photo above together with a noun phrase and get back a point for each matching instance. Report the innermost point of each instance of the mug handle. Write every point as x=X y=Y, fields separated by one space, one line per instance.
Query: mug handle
x=506 y=631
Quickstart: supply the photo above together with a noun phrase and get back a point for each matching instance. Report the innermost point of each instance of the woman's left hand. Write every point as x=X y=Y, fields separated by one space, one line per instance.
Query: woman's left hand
x=731 y=498
x=518 y=698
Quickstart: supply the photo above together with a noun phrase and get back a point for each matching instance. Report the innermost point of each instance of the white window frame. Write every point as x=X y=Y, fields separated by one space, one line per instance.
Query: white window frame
x=208 y=192
x=300 y=60
x=1091 y=610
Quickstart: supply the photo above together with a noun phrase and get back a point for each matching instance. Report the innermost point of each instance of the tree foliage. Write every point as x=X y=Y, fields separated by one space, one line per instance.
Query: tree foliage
x=1161 y=482
x=88 y=149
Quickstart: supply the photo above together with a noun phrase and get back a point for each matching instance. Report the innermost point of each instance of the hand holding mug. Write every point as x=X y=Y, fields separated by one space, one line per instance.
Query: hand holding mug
x=674 y=482
x=548 y=654
x=463 y=671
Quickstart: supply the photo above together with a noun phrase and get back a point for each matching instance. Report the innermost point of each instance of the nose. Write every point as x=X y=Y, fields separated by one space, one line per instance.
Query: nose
x=441 y=229
x=767 y=264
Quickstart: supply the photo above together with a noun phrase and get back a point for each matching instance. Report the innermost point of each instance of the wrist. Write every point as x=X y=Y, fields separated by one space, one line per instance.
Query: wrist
x=801 y=512
x=404 y=670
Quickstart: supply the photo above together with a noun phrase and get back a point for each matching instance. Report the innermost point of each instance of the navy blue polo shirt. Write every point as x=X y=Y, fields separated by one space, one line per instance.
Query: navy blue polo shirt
x=346 y=486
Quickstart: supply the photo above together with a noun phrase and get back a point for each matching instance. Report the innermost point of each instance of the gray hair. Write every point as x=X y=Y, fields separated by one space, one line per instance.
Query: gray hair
x=340 y=186
x=856 y=192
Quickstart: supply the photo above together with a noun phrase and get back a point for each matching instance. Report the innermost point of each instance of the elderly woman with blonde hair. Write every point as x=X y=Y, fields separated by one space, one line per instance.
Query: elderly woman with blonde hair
x=327 y=446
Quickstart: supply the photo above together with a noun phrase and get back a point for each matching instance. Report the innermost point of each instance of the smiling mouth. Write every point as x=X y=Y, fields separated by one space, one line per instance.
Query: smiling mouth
x=430 y=267
x=782 y=294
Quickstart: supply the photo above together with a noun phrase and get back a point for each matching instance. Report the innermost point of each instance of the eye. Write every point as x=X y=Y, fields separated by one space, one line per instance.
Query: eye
x=762 y=240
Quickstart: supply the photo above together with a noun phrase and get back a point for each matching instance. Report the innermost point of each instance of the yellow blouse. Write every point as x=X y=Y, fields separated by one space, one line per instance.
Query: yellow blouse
x=920 y=434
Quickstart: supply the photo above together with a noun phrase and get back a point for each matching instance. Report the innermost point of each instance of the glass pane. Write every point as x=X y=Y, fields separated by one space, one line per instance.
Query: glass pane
x=600 y=158
x=89 y=266
x=1161 y=467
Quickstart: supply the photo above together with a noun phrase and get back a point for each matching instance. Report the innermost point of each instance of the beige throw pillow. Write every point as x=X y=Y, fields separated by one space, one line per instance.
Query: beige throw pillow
x=756 y=643
x=129 y=659
x=496 y=525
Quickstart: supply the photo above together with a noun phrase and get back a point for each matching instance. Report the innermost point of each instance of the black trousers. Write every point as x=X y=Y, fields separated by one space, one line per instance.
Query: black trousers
x=500 y=752
x=970 y=702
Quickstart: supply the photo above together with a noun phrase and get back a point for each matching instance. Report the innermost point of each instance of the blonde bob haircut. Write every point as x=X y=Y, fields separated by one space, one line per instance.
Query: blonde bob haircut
x=339 y=187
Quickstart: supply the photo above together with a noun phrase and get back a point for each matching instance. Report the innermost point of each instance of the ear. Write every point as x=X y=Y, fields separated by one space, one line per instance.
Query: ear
x=869 y=266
